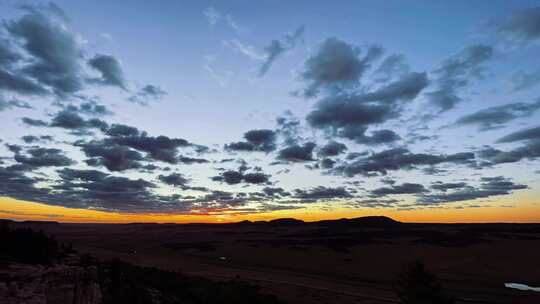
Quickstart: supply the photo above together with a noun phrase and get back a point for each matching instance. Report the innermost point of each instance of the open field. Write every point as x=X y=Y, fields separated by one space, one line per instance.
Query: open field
x=345 y=261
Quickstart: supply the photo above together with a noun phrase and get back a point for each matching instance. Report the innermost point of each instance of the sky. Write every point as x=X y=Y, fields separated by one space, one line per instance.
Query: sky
x=219 y=111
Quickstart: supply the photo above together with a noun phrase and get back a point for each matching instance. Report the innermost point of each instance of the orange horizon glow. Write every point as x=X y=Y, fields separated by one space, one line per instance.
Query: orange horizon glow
x=22 y=210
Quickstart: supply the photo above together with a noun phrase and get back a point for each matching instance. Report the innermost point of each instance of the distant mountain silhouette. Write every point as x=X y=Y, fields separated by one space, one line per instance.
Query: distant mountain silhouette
x=286 y=222
x=368 y=221
x=41 y=222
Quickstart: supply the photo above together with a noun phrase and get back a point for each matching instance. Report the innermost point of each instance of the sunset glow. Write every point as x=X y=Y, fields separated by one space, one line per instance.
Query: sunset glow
x=221 y=113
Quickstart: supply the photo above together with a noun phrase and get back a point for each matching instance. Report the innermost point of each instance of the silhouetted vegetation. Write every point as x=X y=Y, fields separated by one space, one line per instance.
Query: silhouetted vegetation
x=27 y=246
x=416 y=285
x=125 y=283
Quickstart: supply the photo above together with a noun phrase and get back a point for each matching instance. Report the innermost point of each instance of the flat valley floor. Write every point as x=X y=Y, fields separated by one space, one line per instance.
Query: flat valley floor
x=342 y=261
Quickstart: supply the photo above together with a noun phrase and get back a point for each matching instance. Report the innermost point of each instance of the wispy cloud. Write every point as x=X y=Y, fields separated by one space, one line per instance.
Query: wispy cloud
x=222 y=77
x=248 y=50
x=212 y=15
x=215 y=17
x=277 y=47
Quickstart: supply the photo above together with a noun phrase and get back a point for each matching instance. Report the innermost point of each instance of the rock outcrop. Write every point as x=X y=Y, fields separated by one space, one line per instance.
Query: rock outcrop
x=56 y=284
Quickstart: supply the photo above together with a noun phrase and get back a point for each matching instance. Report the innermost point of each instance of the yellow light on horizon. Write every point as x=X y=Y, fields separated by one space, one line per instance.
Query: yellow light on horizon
x=23 y=210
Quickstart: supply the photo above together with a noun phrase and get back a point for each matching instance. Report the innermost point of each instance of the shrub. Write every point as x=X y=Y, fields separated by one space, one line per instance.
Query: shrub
x=27 y=246
x=416 y=285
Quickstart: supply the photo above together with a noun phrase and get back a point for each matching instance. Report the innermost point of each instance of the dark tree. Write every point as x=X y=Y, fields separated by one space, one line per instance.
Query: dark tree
x=416 y=285
x=27 y=246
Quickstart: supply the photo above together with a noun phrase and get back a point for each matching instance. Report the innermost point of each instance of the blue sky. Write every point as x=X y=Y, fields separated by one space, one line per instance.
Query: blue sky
x=417 y=95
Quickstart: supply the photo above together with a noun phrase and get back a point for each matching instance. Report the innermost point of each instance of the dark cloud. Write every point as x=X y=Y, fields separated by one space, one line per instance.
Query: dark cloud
x=41 y=55
x=43 y=157
x=111 y=193
x=14 y=148
x=240 y=146
x=256 y=178
x=522 y=26
x=32 y=139
x=100 y=191
x=349 y=116
x=405 y=188
x=297 y=153
x=263 y=140
x=354 y=155
x=56 y=53
x=288 y=127
x=494 y=117
x=277 y=47
x=83 y=175
x=490 y=186
x=117 y=130
x=525 y=80
x=269 y=207
x=10 y=80
x=113 y=157
x=147 y=94
x=392 y=66
x=406 y=88
x=375 y=203
x=337 y=65
x=13 y=183
x=377 y=137
x=456 y=73
x=232 y=177
x=174 y=179
x=192 y=160
x=495 y=156
x=73 y=121
x=332 y=148
x=530 y=148
x=275 y=191
x=327 y=163
x=110 y=69
x=337 y=113
x=321 y=193
x=29 y=139
x=13 y=103
x=90 y=107
x=527 y=134
x=18 y=84
x=8 y=54
x=34 y=122
x=160 y=148
x=398 y=159
x=256 y=140
x=68 y=120
x=448 y=186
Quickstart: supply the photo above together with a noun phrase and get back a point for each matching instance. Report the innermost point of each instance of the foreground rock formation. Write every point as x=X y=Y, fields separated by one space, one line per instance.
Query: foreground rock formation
x=38 y=284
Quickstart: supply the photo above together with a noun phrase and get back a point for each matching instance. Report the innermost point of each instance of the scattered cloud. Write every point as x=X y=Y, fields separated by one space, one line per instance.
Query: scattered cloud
x=456 y=73
x=256 y=140
x=496 y=117
x=110 y=70
x=522 y=26
x=398 y=159
x=337 y=65
x=147 y=94
x=490 y=186
x=277 y=47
